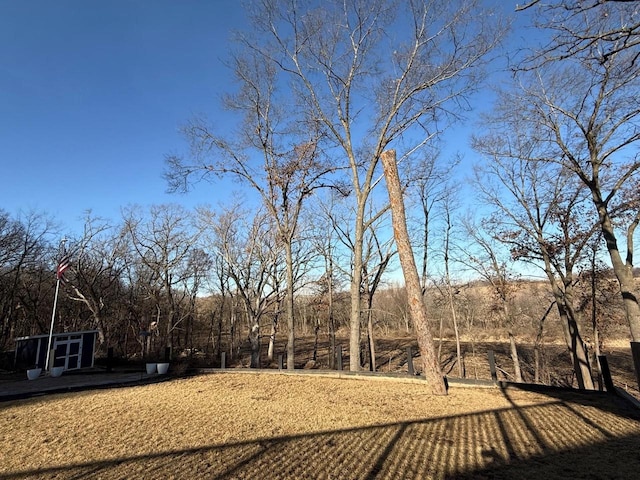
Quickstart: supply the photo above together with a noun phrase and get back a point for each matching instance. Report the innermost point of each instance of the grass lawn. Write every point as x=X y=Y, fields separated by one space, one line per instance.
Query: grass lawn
x=247 y=425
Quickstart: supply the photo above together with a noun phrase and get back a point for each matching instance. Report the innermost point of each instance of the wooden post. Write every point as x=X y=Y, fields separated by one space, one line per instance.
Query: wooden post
x=492 y=366
x=635 y=353
x=339 y=357
x=606 y=373
x=410 y=361
x=223 y=360
x=417 y=308
x=280 y=362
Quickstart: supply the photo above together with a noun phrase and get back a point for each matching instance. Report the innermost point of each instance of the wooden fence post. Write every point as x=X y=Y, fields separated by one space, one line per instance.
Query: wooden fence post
x=339 y=357
x=223 y=360
x=606 y=374
x=635 y=353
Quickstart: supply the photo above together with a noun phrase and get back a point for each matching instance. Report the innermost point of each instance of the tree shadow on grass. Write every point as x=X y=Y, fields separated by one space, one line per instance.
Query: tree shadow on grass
x=562 y=438
x=580 y=438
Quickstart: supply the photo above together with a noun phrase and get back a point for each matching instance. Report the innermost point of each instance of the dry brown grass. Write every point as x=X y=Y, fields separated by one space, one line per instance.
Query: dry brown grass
x=247 y=425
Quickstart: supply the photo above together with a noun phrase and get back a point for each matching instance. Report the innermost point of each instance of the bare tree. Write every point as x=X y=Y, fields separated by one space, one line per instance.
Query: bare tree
x=251 y=256
x=577 y=96
x=98 y=260
x=276 y=156
x=24 y=252
x=541 y=216
x=485 y=259
x=430 y=187
x=197 y=272
x=377 y=255
x=574 y=31
x=377 y=252
x=163 y=243
x=448 y=210
x=324 y=241
x=368 y=74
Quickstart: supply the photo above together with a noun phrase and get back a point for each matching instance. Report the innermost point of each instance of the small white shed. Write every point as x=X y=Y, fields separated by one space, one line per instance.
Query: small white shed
x=73 y=350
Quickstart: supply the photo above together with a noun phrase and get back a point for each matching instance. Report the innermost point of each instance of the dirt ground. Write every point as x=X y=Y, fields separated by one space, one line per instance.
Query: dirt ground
x=262 y=425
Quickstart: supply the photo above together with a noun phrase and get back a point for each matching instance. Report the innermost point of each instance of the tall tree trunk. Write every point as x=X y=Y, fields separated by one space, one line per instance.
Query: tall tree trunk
x=233 y=320
x=454 y=317
x=332 y=325
x=573 y=338
x=425 y=252
x=274 y=331
x=372 y=346
x=440 y=331
x=218 y=349
x=291 y=349
x=538 y=344
x=272 y=339
x=316 y=338
x=417 y=307
x=594 y=325
x=506 y=311
x=622 y=270
x=513 y=349
x=254 y=341
x=576 y=347
x=212 y=344
x=356 y=283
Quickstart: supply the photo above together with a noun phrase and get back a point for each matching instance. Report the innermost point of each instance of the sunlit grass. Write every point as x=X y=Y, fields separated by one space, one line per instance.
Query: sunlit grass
x=279 y=426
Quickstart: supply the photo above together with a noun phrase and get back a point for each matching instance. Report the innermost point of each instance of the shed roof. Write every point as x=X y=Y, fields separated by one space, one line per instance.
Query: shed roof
x=59 y=334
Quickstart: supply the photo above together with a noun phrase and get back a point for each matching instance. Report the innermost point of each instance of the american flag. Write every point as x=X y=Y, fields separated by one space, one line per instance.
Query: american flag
x=64 y=263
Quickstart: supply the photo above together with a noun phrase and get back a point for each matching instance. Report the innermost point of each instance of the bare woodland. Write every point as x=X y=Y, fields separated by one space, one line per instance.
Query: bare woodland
x=542 y=254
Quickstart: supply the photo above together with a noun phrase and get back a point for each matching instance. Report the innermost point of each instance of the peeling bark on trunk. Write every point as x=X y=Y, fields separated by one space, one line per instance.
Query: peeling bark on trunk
x=431 y=365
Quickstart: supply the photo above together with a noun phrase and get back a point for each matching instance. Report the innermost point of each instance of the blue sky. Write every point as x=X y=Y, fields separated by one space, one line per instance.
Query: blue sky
x=92 y=95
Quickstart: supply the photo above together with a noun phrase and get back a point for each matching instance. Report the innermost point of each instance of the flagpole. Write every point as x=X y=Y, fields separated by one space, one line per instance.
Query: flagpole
x=53 y=317
x=55 y=303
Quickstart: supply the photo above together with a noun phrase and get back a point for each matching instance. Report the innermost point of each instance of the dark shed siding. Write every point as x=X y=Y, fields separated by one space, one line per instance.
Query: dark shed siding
x=88 y=345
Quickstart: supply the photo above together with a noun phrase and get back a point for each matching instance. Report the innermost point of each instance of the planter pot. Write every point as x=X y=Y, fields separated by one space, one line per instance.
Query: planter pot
x=151 y=368
x=57 y=371
x=163 y=368
x=33 y=373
